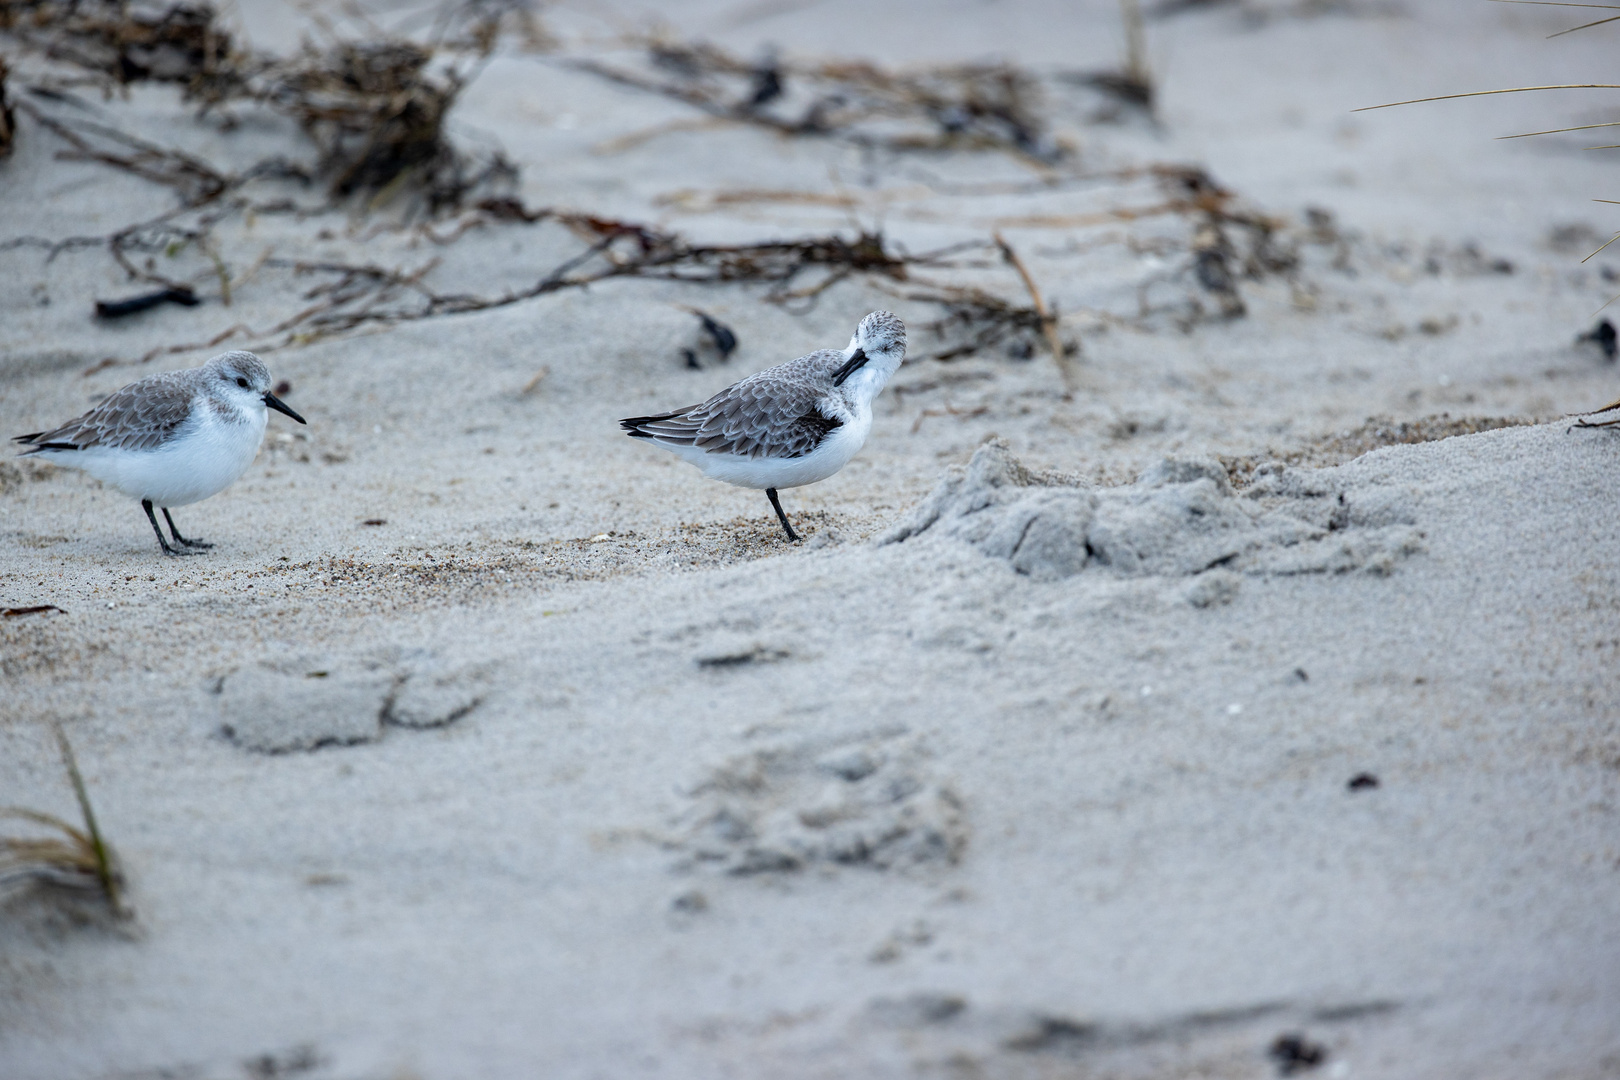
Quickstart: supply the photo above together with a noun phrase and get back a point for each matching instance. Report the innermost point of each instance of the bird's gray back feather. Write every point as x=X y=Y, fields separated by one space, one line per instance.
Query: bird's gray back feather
x=781 y=412
x=142 y=416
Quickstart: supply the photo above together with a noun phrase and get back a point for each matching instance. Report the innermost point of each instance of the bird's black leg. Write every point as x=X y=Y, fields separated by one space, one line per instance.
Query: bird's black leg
x=146 y=504
x=777 y=506
x=180 y=539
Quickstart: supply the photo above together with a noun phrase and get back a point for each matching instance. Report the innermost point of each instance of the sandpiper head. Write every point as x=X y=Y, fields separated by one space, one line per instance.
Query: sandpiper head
x=882 y=333
x=242 y=379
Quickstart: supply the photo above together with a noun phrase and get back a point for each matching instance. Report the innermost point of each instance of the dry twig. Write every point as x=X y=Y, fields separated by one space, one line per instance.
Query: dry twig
x=984 y=107
x=1048 y=321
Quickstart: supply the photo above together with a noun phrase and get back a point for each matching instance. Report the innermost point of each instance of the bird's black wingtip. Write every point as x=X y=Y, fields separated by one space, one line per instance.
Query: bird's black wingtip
x=35 y=446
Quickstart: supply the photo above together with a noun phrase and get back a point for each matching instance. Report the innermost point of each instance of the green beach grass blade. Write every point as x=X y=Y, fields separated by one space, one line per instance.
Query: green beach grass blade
x=1487 y=93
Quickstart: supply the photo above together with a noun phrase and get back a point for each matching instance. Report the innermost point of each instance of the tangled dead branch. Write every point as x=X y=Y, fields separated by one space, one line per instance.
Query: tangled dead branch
x=124 y=41
x=375 y=110
x=351 y=296
x=1217 y=263
x=376 y=113
x=978 y=107
x=193 y=180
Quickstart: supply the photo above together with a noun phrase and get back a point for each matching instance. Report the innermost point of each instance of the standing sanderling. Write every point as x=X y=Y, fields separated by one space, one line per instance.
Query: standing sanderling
x=171 y=439
x=789 y=425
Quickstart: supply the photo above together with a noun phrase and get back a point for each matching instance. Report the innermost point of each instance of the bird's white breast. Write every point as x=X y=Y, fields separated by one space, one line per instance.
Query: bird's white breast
x=841 y=444
x=205 y=456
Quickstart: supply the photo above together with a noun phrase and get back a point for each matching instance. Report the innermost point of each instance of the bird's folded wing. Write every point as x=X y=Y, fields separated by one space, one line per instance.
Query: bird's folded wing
x=141 y=416
x=777 y=413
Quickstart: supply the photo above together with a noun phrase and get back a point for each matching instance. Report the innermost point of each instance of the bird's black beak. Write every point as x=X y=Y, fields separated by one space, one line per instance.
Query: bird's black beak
x=851 y=366
x=273 y=402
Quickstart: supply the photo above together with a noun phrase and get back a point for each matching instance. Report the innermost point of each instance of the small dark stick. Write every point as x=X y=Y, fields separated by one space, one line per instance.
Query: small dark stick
x=1603 y=334
x=1293 y=1053
x=117 y=309
x=793 y=537
x=767 y=83
x=725 y=342
x=36 y=609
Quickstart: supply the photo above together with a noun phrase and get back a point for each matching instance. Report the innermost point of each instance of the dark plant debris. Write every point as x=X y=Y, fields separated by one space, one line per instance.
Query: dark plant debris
x=718 y=339
x=125 y=41
x=376 y=112
x=117 y=309
x=966 y=107
x=1363 y=781
x=34 y=609
x=374 y=109
x=1132 y=85
x=1293 y=1053
x=1603 y=336
x=354 y=295
x=724 y=340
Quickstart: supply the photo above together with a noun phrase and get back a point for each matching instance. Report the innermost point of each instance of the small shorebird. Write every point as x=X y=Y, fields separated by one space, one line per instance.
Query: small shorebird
x=171 y=439
x=789 y=425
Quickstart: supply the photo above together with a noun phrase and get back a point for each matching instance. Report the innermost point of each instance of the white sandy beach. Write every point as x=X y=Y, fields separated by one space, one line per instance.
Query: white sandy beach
x=605 y=779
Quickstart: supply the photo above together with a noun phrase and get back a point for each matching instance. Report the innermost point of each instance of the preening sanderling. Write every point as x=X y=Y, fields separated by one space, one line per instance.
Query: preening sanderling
x=171 y=439
x=789 y=425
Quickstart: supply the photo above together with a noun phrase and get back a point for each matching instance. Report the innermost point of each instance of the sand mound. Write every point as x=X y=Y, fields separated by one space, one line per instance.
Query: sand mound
x=292 y=706
x=1180 y=517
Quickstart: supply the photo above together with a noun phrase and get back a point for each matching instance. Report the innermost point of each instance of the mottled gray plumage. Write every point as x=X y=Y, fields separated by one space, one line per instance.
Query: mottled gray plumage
x=782 y=412
x=145 y=414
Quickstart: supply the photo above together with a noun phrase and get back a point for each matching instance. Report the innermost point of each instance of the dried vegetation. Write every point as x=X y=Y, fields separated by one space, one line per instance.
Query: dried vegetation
x=965 y=107
x=124 y=41
x=67 y=860
x=374 y=111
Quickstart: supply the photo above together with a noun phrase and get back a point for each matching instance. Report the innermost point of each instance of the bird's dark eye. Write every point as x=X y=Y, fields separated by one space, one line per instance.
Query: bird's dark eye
x=242 y=383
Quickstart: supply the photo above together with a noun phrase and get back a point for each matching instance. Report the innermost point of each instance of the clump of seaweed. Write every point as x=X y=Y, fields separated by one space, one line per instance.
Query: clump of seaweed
x=73 y=860
x=354 y=295
x=125 y=41
x=1132 y=84
x=973 y=106
x=374 y=109
x=977 y=320
x=1217 y=262
x=349 y=296
x=376 y=112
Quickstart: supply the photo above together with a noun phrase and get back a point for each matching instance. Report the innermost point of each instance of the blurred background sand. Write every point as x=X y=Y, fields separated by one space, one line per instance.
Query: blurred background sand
x=677 y=799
